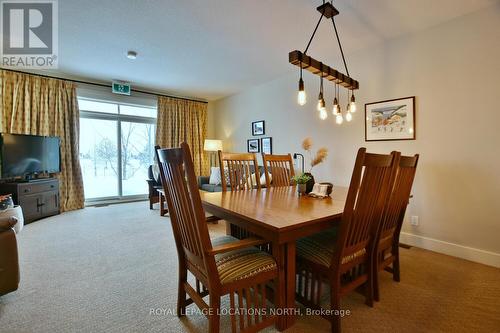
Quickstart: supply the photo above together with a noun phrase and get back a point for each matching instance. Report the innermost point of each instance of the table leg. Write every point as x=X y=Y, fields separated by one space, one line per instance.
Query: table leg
x=290 y=283
x=280 y=291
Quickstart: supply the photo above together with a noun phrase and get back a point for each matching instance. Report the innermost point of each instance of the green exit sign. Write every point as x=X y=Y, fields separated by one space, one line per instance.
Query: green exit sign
x=121 y=88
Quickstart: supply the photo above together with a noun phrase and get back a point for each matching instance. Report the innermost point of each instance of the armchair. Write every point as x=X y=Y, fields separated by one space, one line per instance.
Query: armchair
x=153 y=185
x=9 y=261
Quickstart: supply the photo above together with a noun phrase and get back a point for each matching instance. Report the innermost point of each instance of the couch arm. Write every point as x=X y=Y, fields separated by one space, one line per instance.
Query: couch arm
x=8 y=224
x=203 y=180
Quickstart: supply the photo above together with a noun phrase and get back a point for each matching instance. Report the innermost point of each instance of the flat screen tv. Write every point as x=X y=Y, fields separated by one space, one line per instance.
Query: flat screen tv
x=24 y=155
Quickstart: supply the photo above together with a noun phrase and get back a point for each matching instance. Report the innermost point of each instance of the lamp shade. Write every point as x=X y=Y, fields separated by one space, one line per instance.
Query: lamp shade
x=212 y=145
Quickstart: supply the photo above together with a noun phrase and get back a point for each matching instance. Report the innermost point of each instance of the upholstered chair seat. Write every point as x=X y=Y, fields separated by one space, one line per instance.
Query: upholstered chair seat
x=319 y=249
x=241 y=264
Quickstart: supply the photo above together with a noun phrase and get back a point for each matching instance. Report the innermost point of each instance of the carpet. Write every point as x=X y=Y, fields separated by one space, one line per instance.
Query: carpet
x=114 y=269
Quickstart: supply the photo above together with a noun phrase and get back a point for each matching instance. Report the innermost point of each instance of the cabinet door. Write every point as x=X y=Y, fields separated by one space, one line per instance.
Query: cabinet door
x=32 y=206
x=50 y=203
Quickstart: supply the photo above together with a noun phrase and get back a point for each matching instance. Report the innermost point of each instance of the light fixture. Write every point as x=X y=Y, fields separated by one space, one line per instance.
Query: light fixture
x=348 y=116
x=212 y=146
x=323 y=114
x=339 y=119
x=303 y=61
x=335 y=110
x=321 y=100
x=132 y=55
x=301 y=96
x=353 y=103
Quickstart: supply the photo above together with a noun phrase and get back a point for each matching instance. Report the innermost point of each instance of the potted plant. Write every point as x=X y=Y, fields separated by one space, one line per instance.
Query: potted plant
x=301 y=182
x=319 y=158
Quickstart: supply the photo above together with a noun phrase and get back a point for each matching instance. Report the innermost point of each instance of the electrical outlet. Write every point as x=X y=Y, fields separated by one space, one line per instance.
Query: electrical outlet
x=414 y=220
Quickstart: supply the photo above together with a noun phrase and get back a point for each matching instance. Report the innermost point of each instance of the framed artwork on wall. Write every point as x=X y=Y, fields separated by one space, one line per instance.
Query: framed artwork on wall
x=267 y=145
x=258 y=128
x=393 y=119
x=253 y=145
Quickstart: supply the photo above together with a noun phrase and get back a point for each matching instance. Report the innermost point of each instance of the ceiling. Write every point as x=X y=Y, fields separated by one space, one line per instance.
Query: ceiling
x=213 y=48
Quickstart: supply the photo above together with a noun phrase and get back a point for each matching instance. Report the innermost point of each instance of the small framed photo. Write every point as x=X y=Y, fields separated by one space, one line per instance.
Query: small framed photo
x=253 y=145
x=390 y=120
x=267 y=145
x=258 y=128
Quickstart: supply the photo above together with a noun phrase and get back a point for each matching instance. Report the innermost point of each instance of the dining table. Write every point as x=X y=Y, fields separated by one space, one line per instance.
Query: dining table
x=281 y=216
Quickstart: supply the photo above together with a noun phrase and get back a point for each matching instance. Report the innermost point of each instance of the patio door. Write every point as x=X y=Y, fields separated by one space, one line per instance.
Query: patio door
x=116 y=148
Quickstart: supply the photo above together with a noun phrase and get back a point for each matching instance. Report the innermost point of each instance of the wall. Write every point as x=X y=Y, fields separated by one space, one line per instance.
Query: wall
x=453 y=70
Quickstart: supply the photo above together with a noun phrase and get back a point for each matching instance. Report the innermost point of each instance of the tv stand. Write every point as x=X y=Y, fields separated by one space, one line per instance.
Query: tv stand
x=38 y=198
x=31 y=180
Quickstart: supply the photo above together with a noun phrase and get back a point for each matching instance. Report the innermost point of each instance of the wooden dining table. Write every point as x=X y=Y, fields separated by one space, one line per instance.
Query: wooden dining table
x=281 y=216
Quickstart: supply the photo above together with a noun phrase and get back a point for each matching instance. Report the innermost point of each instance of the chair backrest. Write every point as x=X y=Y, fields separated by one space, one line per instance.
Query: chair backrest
x=371 y=182
x=279 y=169
x=398 y=201
x=239 y=169
x=184 y=205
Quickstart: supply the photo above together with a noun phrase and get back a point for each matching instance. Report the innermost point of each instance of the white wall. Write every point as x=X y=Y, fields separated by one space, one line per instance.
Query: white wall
x=454 y=72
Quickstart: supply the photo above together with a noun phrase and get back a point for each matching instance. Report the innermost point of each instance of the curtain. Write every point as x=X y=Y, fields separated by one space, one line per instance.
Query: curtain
x=35 y=105
x=183 y=120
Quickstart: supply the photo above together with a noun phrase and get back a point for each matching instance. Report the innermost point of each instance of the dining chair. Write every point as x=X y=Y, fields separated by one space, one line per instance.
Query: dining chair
x=221 y=266
x=278 y=170
x=236 y=171
x=344 y=258
x=390 y=228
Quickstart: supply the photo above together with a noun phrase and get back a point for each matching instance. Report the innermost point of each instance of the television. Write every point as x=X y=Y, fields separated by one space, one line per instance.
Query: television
x=25 y=155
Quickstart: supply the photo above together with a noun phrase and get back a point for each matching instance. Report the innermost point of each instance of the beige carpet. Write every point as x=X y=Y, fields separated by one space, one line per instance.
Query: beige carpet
x=105 y=269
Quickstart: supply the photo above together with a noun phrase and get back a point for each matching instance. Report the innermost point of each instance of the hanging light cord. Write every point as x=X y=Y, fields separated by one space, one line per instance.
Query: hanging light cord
x=340 y=46
x=336 y=34
x=314 y=33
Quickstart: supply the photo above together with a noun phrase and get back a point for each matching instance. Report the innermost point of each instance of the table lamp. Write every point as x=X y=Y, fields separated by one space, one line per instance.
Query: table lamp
x=212 y=146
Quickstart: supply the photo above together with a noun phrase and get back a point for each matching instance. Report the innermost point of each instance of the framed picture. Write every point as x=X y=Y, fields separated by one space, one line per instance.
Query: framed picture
x=253 y=145
x=258 y=128
x=267 y=145
x=390 y=120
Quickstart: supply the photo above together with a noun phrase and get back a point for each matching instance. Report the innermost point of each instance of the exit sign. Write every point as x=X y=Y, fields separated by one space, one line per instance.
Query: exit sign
x=121 y=88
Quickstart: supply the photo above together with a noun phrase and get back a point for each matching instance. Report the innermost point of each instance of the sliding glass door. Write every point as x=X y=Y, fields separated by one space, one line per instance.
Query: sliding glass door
x=116 y=148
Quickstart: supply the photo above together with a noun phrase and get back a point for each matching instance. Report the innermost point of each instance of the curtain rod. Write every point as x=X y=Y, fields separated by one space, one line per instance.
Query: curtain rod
x=102 y=85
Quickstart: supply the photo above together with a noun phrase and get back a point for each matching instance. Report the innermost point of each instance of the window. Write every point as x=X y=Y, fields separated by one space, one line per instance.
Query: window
x=116 y=148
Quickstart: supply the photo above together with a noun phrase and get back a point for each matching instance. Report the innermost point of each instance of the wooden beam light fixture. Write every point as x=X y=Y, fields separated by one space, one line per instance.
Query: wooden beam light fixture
x=303 y=61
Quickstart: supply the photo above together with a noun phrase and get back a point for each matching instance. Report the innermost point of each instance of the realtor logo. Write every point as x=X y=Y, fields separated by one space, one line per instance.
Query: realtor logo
x=29 y=33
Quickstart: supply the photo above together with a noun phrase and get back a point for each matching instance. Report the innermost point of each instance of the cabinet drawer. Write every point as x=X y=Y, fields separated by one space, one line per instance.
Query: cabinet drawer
x=32 y=188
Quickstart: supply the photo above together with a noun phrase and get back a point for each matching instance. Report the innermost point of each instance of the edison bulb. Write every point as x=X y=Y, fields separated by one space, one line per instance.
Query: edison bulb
x=319 y=106
x=335 y=109
x=339 y=119
x=348 y=116
x=353 y=107
x=301 y=98
x=323 y=114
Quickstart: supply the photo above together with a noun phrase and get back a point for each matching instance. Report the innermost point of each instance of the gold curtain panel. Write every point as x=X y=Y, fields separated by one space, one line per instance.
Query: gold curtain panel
x=35 y=105
x=183 y=120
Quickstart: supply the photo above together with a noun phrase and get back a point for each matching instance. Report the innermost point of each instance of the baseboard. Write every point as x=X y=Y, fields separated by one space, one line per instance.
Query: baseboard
x=455 y=250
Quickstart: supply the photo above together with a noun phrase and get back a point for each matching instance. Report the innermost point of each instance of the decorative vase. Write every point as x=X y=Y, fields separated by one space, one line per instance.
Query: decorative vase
x=310 y=183
x=301 y=189
x=16 y=212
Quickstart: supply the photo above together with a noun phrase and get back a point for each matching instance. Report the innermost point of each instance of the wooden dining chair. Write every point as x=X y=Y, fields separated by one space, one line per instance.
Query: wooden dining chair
x=236 y=171
x=343 y=258
x=278 y=170
x=390 y=228
x=221 y=266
